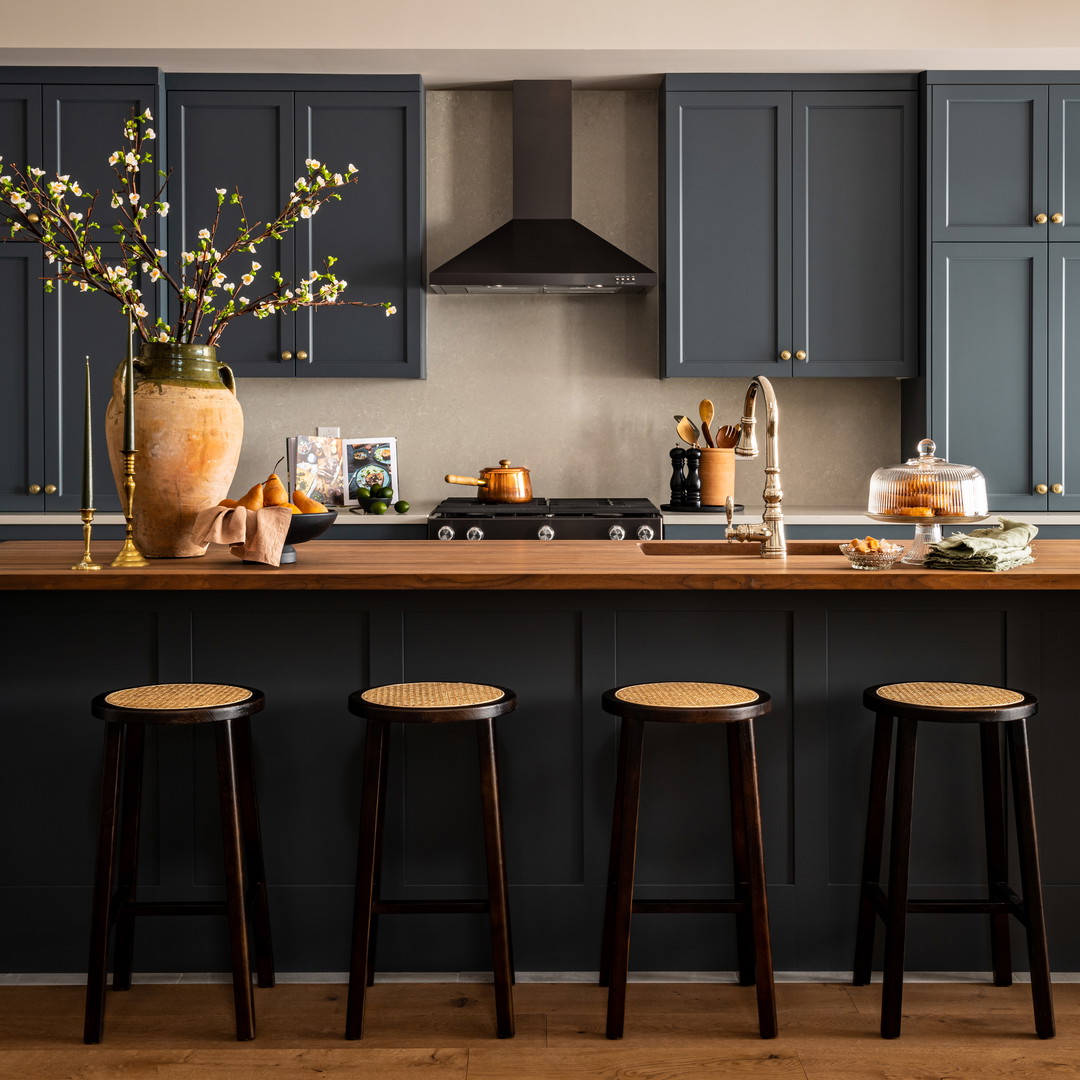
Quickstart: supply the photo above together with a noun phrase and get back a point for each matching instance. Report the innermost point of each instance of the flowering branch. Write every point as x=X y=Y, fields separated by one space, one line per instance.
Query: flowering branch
x=48 y=211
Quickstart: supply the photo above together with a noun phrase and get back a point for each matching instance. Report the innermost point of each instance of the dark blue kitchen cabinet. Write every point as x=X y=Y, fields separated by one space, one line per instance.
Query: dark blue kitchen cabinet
x=1006 y=162
x=790 y=228
x=254 y=135
x=988 y=377
x=66 y=121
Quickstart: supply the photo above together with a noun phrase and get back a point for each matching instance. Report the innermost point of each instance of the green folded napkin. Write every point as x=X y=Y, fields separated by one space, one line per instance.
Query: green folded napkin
x=998 y=548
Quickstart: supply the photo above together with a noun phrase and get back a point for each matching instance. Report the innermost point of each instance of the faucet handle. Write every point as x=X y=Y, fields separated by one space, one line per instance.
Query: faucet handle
x=729 y=508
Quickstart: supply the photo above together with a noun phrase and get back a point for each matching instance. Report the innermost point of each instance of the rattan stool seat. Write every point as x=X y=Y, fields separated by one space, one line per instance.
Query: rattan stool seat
x=686 y=695
x=950 y=695
x=432 y=695
x=178 y=696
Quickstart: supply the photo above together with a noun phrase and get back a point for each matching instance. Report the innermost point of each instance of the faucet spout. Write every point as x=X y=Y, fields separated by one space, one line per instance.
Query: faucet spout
x=771 y=532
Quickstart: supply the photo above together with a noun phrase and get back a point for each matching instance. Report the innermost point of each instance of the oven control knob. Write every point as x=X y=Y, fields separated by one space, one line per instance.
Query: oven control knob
x=445 y=532
x=475 y=533
x=545 y=532
x=645 y=532
x=616 y=532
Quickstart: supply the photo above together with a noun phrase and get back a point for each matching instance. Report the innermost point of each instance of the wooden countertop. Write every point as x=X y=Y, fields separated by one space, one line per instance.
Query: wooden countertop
x=519 y=564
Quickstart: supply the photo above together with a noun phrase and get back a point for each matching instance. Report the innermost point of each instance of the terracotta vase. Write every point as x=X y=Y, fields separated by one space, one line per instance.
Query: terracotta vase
x=188 y=431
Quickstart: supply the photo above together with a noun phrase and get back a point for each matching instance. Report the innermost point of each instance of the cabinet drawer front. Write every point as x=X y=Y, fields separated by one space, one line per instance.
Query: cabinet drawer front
x=988 y=366
x=1064 y=148
x=854 y=228
x=989 y=162
x=727 y=233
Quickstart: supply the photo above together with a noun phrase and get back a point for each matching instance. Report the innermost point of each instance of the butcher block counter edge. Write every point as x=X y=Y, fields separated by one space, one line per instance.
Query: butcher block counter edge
x=512 y=564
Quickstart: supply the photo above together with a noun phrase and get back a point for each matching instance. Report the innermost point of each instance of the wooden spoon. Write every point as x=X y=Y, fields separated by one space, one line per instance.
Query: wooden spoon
x=687 y=430
x=706 y=411
x=728 y=435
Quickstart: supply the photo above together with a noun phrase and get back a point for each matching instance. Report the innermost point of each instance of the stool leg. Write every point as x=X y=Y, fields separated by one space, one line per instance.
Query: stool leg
x=1031 y=880
x=376 y=737
x=997 y=861
x=235 y=892
x=380 y=826
x=755 y=863
x=613 y=865
x=872 y=847
x=101 y=911
x=626 y=816
x=892 y=990
x=744 y=922
x=127 y=871
x=498 y=897
x=253 y=852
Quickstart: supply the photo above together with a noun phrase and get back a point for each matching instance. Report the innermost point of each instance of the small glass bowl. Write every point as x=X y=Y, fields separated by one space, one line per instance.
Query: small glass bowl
x=872 y=560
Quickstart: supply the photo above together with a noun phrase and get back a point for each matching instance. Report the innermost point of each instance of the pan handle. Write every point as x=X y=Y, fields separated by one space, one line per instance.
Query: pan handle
x=451 y=479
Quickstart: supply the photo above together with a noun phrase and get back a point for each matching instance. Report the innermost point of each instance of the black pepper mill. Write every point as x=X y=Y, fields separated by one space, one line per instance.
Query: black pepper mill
x=678 y=475
x=692 y=483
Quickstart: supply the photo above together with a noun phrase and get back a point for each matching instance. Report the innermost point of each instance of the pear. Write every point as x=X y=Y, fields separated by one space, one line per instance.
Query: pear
x=253 y=500
x=274 y=493
x=307 y=506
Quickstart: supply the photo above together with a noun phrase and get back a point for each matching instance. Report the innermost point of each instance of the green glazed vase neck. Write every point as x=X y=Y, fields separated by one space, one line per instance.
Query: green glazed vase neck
x=185 y=365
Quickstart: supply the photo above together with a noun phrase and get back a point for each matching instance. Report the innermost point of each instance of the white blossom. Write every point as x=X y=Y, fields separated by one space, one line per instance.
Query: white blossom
x=242 y=300
x=140 y=311
x=220 y=190
x=391 y=310
x=351 y=169
x=75 y=217
x=116 y=200
x=255 y=266
x=36 y=172
x=131 y=161
x=133 y=198
x=305 y=211
x=313 y=163
x=163 y=335
x=147 y=116
x=163 y=209
x=155 y=273
x=218 y=280
x=75 y=189
x=338 y=179
x=247 y=279
x=189 y=293
x=160 y=253
x=187 y=258
x=149 y=133
x=114 y=157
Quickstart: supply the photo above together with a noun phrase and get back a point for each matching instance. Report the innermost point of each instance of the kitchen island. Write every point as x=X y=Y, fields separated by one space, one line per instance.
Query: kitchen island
x=560 y=623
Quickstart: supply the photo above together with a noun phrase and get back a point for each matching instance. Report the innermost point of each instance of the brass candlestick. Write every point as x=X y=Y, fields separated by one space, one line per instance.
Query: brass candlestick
x=130 y=555
x=87 y=563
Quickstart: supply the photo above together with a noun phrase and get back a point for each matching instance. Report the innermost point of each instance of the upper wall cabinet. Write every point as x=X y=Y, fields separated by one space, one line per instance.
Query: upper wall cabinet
x=253 y=135
x=790 y=227
x=1006 y=162
x=65 y=121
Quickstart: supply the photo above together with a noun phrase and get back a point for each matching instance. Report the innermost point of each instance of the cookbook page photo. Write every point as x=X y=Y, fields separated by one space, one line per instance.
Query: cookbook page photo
x=370 y=461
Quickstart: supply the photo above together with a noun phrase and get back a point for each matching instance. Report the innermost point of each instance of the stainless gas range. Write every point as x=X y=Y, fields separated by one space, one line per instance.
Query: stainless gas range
x=545 y=519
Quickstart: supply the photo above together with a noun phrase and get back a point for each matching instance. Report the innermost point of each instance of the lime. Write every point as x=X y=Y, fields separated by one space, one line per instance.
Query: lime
x=385 y=493
x=401 y=506
x=377 y=507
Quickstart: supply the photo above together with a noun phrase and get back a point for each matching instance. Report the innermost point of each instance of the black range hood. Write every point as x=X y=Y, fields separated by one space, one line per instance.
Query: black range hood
x=542 y=249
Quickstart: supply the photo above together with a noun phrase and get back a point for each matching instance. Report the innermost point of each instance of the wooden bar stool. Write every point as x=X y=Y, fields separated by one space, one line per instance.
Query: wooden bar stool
x=992 y=708
x=127 y=714
x=689 y=703
x=428 y=703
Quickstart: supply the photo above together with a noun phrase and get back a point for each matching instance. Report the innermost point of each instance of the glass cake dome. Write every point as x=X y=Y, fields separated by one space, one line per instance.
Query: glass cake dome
x=928 y=492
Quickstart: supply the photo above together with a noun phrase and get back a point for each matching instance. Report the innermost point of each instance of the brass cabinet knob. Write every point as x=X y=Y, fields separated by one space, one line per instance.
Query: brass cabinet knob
x=301 y=355
x=33 y=218
x=1040 y=219
x=1041 y=489
x=1057 y=219
x=785 y=355
x=1057 y=489
x=34 y=489
x=286 y=356
x=800 y=354
x=50 y=489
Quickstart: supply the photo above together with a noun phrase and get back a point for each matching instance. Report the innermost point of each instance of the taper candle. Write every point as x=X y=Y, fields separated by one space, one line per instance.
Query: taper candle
x=88 y=451
x=129 y=396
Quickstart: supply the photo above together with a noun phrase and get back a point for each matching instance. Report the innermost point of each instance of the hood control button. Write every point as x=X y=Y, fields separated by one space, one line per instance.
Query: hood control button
x=475 y=533
x=545 y=532
x=446 y=533
x=645 y=532
x=616 y=532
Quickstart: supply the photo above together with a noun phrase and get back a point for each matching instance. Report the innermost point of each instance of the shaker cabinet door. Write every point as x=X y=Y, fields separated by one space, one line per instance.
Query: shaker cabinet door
x=242 y=142
x=1063 y=322
x=989 y=167
x=1064 y=174
x=988 y=382
x=854 y=217
x=374 y=232
x=727 y=234
x=20 y=137
x=80 y=325
x=22 y=459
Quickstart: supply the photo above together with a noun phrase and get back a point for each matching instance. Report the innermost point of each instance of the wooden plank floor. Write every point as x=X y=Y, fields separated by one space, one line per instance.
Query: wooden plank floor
x=445 y=1031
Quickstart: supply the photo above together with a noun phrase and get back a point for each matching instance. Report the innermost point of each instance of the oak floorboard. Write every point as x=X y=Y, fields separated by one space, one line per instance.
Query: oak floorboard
x=445 y=1031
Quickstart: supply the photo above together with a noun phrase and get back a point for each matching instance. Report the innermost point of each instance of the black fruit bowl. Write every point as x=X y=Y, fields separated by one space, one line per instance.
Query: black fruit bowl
x=304 y=527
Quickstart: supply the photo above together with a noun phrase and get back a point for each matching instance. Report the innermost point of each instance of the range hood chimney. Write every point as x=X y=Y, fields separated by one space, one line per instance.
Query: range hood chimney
x=542 y=249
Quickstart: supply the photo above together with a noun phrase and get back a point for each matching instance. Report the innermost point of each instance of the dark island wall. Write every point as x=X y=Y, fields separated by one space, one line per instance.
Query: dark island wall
x=814 y=652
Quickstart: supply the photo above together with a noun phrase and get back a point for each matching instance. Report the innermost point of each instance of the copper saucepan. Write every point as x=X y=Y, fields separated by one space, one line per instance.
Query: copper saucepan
x=505 y=484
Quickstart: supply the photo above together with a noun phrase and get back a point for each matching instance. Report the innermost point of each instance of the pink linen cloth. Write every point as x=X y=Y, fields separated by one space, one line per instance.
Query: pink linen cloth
x=257 y=536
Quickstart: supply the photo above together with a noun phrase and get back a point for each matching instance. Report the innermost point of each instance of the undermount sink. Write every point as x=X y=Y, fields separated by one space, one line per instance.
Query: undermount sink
x=723 y=547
